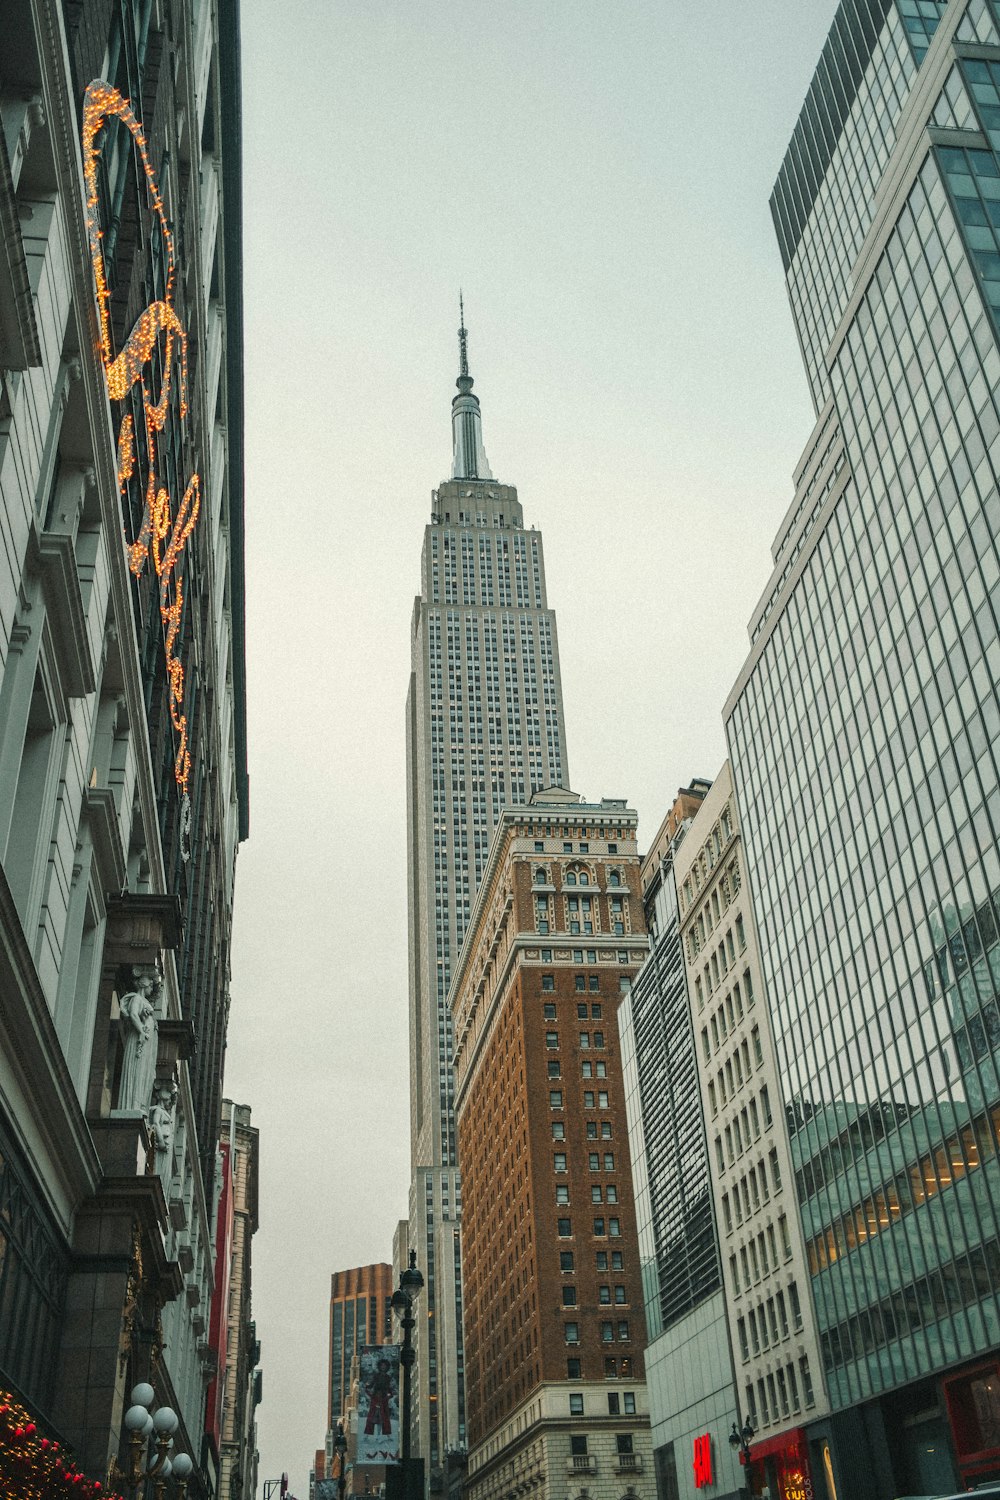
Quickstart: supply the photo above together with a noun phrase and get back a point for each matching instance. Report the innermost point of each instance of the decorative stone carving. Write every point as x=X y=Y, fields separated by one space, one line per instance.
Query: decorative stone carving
x=139 y=1034
x=161 y=1119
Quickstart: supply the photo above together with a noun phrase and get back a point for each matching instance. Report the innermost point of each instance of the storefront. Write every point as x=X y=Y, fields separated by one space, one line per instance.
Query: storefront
x=779 y=1467
x=972 y=1400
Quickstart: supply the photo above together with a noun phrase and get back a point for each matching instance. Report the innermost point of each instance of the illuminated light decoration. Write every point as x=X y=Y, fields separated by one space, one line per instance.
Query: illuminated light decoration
x=702 y=1460
x=157 y=328
x=33 y=1467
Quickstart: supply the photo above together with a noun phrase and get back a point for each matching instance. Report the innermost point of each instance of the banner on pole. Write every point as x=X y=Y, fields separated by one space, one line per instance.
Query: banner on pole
x=378 y=1404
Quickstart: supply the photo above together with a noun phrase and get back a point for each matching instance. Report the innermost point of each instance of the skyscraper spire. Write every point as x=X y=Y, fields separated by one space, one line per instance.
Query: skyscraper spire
x=469 y=456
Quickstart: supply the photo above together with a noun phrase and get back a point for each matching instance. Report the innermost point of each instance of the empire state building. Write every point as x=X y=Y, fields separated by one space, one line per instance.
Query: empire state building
x=484 y=722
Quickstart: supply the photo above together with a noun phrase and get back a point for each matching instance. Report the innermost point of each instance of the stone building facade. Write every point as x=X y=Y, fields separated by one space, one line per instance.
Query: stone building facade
x=239 y=1145
x=554 y=1326
x=772 y=1327
x=123 y=786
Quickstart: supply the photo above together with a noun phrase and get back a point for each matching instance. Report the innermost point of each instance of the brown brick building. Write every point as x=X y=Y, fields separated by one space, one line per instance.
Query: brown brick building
x=554 y=1325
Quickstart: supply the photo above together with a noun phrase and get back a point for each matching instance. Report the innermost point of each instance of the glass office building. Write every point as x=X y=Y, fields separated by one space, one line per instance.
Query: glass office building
x=863 y=732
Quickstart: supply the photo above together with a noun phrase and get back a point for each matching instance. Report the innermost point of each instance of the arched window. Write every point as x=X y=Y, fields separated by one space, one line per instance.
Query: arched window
x=570 y=877
x=539 y=877
x=614 y=878
x=584 y=878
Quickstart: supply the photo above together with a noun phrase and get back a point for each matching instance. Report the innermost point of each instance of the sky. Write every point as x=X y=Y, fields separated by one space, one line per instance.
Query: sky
x=595 y=175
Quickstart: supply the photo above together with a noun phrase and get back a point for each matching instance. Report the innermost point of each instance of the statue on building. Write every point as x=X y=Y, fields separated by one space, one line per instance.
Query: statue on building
x=161 y=1116
x=139 y=1033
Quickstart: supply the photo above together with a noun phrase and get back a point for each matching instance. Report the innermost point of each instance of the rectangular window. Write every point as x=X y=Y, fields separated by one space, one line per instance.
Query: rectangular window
x=623 y=1332
x=580 y=980
x=629 y=1403
x=605 y=1130
x=565 y=1230
x=604 y=1295
x=620 y=1294
x=594 y=980
x=595 y=1015
x=555 y=1099
x=559 y=1161
x=562 y=1193
x=569 y=1296
x=602 y=1260
x=609 y=1161
x=572 y=1331
x=586 y=1070
x=599 y=1226
x=548 y=982
x=584 y=1041
x=607 y=1333
x=617 y=1260
x=594 y=1161
x=573 y=1369
x=613 y=1404
x=615 y=1228
x=555 y=1068
x=558 y=1130
x=549 y=1011
x=602 y=1099
x=576 y=1404
x=581 y=1011
x=551 y=1039
x=588 y=1099
x=595 y=1193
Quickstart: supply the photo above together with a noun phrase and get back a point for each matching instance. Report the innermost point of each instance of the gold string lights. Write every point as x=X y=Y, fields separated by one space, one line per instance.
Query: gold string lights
x=157 y=327
x=36 y=1467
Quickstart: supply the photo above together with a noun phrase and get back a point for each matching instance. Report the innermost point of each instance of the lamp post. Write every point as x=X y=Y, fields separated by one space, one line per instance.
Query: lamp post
x=740 y=1438
x=142 y=1426
x=410 y=1283
x=340 y=1448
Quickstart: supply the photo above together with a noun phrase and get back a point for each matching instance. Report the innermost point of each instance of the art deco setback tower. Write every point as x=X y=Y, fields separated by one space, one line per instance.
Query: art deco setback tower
x=484 y=729
x=863 y=735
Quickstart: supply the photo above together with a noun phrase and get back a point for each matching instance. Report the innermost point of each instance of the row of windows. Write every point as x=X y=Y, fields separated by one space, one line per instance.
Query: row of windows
x=750 y=1192
x=767 y=1323
x=962 y=1153
x=759 y=1256
x=777 y=1395
x=609 y=1330
x=621 y=954
x=615 y=1368
x=736 y=1072
x=615 y=1409
x=604 y=1294
x=566 y=1258
x=743 y=1130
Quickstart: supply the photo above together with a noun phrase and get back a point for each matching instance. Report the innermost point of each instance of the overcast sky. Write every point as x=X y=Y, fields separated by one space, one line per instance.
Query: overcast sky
x=595 y=174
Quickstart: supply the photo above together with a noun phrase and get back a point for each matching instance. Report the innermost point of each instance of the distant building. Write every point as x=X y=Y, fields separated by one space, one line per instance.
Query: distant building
x=554 y=1325
x=360 y=1313
x=771 y=1322
x=243 y=1378
x=484 y=729
x=688 y=1363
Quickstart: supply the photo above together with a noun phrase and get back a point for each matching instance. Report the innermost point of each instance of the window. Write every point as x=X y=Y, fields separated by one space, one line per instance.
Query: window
x=602 y=1260
x=565 y=1229
x=623 y=1442
x=594 y=981
x=601 y=1069
x=598 y=1226
x=588 y=1099
x=539 y=847
x=617 y=1263
x=602 y=1099
x=623 y=1331
x=587 y=1069
x=584 y=848
x=610 y=1369
x=555 y=1099
x=552 y=1039
x=558 y=1130
x=573 y=1369
x=580 y=980
x=609 y=1161
x=605 y=1130
x=591 y=1130
x=576 y=1404
x=613 y=1404
x=559 y=1161
x=612 y=848
x=615 y=1228
x=594 y=1161
x=555 y=1071
x=549 y=1012
x=581 y=1011
x=567 y=849
x=572 y=1331
x=620 y=1296
x=578 y=1445
x=546 y=955
x=604 y=1296
x=595 y=1193
x=607 y=1333
x=548 y=982
x=598 y=1038
x=595 y=1012
x=562 y=1193
x=584 y=1041
x=612 y=1193
x=629 y=1403
x=569 y=1296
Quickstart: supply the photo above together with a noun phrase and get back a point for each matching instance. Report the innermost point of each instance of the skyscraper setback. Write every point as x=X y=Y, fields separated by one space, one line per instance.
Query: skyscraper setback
x=484 y=721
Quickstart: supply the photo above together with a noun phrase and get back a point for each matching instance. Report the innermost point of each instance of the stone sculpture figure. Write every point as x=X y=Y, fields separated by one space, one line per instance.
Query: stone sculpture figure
x=139 y=1031
x=161 y=1116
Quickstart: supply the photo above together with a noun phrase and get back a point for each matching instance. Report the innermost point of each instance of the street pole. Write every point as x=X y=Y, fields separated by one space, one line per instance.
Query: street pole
x=410 y=1283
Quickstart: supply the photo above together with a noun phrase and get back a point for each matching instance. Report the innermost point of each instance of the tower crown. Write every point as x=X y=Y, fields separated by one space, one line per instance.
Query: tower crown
x=469 y=459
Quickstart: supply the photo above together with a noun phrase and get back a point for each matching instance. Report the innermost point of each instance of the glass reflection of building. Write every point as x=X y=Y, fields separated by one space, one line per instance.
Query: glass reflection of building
x=360 y=1313
x=863 y=733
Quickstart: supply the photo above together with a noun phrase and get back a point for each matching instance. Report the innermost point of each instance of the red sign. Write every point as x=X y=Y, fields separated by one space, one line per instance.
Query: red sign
x=702 y=1460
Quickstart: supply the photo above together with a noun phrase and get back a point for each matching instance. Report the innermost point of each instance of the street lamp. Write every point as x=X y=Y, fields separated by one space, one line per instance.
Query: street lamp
x=410 y=1283
x=144 y=1426
x=340 y=1448
x=740 y=1438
